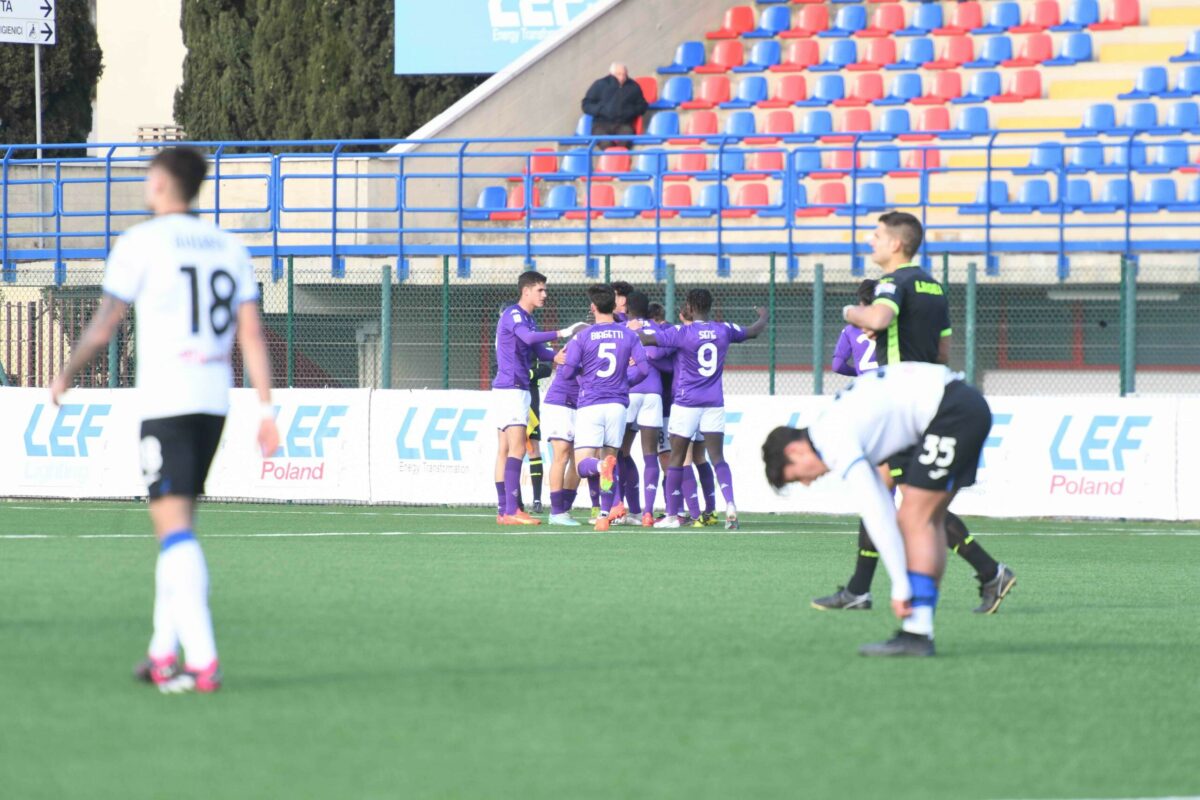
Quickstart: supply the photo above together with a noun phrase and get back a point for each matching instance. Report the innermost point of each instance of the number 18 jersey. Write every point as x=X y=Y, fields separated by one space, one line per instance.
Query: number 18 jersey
x=700 y=350
x=185 y=278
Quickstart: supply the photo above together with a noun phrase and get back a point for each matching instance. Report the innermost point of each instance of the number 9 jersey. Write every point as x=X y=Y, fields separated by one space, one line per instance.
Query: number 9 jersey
x=185 y=279
x=699 y=360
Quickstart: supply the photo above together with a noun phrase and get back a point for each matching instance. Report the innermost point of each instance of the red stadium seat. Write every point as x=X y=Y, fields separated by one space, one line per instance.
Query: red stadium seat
x=1122 y=14
x=688 y=164
x=854 y=120
x=790 y=89
x=613 y=163
x=799 y=55
x=543 y=162
x=809 y=22
x=1036 y=48
x=1025 y=85
x=1045 y=15
x=926 y=158
x=884 y=22
x=649 y=86
x=602 y=196
x=867 y=88
x=765 y=161
x=714 y=90
x=751 y=194
x=724 y=57
x=515 y=207
x=738 y=20
x=675 y=197
x=930 y=122
x=946 y=86
x=831 y=194
x=877 y=54
x=956 y=52
x=968 y=16
x=699 y=123
x=778 y=122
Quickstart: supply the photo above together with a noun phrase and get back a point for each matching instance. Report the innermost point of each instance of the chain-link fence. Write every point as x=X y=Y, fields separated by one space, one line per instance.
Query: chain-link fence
x=1020 y=326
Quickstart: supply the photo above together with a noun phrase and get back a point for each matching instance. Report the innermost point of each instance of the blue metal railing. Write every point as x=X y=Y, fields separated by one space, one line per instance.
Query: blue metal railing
x=358 y=197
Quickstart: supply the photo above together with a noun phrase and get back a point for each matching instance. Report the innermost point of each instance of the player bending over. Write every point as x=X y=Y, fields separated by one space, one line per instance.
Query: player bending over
x=608 y=358
x=194 y=289
x=908 y=405
x=518 y=344
x=698 y=405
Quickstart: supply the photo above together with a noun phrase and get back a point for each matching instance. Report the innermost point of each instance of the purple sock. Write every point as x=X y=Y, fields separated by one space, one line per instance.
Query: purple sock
x=689 y=492
x=616 y=486
x=569 y=499
x=725 y=478
x=594 y=489
x=606 y=500
x=705 y=471
x=589 y=467
x=512 y=484
x=631 y=485
x=652 y=471
x=501 y=499
x=556 y=502
x=674 y=490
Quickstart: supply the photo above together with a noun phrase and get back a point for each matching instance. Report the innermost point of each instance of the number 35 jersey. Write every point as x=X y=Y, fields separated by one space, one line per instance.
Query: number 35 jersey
x=700 y=350
x=185 y=278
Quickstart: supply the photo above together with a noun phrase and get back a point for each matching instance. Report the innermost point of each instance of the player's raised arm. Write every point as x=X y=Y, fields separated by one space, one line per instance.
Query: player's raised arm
x=95 y=337
x=758 y=326
x=568 y=360
x=258 y=366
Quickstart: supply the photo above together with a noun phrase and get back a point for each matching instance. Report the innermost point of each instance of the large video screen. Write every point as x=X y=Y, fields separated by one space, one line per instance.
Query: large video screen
x=475 y=36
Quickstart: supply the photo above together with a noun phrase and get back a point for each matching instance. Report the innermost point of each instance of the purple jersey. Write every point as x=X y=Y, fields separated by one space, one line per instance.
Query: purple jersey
x=700 y=350
x=562 y=391
x=653 y=382
x=855 y=352
x=600 y=356
x=518 y=345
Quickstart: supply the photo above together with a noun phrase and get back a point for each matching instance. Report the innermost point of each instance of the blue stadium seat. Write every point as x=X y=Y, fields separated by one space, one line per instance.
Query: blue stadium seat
x=712 y=197
x=1184 y=116
x=839 y=55
x=1080 y=14
x=492 y=198
x=1193 y=194
x=664 y=125
x=1192 y=53
x=829 y=88
x=1086 y=157
x=678 y=89
x=764 y=56
x=849 y=20
x=1098 y=118
x=895 y=121
x=650 y=165
x=1033 y=196
x=1079 y=198
x=1140 y=117
x=881 y=160
x=992 y=193
x=1188 y=84
x=562 y=199
x=1167 y=157
x=806 y=161
x=1076 y=47
x=584 y=126
x=1001 y=17
x=1128 y=156
x=916 y=53
x=1046 y=157
x=983 y=87
x=971 y=121
x=750 y=91
x=740 y=123
x=637 y=199
x=817 y=123
x=688 y=56
x=869 y=197
x=927 y=18
x=572 y=165
x=1159 y=195
x=731 y=162
x=903 y=89
x=771 y=22
x=1118 y=193
x=996 y=50
x=1151 y=82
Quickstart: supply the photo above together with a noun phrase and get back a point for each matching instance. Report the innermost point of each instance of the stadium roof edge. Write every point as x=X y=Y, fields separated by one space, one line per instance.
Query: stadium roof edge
x=430 y=129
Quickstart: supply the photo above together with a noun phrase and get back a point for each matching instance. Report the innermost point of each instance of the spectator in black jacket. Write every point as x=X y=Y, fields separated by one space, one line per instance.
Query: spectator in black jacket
x=615 y=103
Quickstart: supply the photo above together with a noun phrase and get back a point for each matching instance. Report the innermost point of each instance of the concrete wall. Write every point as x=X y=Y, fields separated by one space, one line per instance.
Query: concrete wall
x=143 y=51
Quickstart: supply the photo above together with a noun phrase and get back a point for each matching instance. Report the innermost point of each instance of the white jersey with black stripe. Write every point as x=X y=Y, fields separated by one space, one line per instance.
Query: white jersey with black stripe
x=185 y=278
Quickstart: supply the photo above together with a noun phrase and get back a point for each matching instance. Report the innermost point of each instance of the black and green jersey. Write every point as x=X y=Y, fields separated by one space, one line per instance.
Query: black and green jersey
x=922 y=316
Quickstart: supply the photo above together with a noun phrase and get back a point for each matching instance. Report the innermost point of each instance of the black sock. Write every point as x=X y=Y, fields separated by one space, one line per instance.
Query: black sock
x=960 y=541
x=535 y=476
x=864 y=567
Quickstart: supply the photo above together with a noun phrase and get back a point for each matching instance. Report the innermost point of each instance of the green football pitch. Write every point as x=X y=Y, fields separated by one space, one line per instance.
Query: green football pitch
x=401 y=652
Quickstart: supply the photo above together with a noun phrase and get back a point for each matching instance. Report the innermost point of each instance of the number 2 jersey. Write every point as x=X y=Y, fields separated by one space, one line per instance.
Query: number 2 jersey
x=185 y=278
x=700 y=349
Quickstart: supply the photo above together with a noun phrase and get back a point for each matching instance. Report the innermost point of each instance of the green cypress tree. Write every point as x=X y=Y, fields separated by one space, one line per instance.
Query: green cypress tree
x=70 y=71
x=215 y=100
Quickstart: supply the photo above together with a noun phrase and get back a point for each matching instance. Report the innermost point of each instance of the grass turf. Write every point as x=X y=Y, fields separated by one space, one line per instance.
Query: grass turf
x=627 y=664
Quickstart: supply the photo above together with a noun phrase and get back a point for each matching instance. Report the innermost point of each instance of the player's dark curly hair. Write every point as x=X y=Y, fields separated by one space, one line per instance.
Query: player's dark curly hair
x=603 y=297
x=656 y=312
x=186 y=166
x=623 y=288
x=700 y=301
x=774 y=457
x=637 y=305
x=866 y=291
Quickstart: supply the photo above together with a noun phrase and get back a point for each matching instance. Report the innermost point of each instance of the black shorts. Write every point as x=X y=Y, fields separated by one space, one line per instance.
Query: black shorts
x=177 y=452
x=948 y=455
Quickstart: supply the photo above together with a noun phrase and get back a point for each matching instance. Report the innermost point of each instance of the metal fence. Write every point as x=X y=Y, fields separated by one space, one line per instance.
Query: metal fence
x=430 y=324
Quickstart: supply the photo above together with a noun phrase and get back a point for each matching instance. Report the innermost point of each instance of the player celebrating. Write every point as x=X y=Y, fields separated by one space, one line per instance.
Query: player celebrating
x=854 y=353
x=698 y=405
x=608 y=359
x=194 y=289
x=644 y=417
x=944 y=421
x=518 y=343
x=558 y=426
